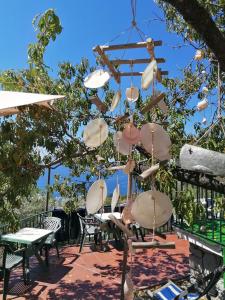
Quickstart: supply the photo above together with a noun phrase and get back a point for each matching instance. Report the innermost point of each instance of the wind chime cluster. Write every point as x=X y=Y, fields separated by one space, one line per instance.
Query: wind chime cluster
x=152 y=208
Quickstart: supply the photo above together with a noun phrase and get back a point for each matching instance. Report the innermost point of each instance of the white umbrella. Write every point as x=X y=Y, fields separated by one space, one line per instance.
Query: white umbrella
x=10 y=101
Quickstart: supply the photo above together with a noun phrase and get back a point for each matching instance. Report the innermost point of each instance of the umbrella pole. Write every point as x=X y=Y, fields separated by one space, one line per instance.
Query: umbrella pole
x=48 y=191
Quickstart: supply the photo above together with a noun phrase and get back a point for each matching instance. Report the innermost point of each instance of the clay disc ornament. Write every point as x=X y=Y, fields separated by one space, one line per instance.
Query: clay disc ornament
x=131 y=134
x=115 y=100
x=95 y=133
x=115 y=197
x=96 y=79
x=143 y=209
x=155 y=139
x=96 y=196
x=121 y=145
x=132 y=94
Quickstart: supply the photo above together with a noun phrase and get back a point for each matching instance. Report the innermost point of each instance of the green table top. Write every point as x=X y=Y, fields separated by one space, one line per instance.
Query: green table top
x=26 y=236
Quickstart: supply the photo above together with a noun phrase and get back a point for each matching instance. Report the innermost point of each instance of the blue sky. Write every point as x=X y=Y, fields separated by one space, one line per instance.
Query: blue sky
x=86 y=24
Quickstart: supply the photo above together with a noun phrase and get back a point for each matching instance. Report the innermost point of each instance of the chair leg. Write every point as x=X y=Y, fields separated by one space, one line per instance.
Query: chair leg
x=82 y=241
x=57 y=248
x=142 y=235
x=46 y=255
x=135 y=231
x=6 y=283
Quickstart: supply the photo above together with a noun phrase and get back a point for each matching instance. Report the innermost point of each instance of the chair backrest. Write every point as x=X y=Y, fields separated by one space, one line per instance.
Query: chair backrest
x=52 y=223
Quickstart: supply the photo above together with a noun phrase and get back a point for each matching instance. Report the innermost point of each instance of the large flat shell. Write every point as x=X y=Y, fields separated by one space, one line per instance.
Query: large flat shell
x=132 y=94
x=121 y=145
x=115 y=100
x=148 y=74
x=115 y=197
x=143 y=209
x=131 y=134
x=156 y=140
x=95 y=133
x=96 y=79
x=96 y=196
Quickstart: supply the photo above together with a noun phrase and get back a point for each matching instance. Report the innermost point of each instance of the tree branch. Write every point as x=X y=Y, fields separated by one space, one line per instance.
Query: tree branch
x=199 y=18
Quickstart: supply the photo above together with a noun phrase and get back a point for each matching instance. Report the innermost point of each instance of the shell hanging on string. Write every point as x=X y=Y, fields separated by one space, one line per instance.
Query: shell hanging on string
x=95 y=133
x=205 y=90
x=131 y=134
x=96 y=196
x=143 y=209
x=199 y=55
x=115 y=197
x=127 y=217
x=121 y=145
x=204 y=121
x=96 y=79
x=115 y=100
x=148 y=74
x=156 y=141
x=132 y=94
x=202 y=104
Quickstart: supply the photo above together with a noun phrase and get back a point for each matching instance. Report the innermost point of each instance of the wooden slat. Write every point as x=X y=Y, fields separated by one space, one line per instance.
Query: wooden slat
x=135 y=61
x=153 y=102
x=126 y=46
x=139 y=73
x=99 y=104
x=107 y=62
x=121 y=119
x=155 y=244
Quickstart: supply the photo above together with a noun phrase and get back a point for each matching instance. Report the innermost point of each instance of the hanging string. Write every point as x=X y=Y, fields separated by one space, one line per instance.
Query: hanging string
x=153 y=188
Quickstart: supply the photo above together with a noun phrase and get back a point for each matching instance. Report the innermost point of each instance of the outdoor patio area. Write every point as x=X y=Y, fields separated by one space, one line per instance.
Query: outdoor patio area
x=97 y=275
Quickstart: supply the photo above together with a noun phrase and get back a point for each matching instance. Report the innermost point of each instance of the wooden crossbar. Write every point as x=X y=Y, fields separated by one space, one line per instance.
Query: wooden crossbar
x=138 y=73
x=107 y=62
x=155 y=244
x=126 y=46
x=135 y=61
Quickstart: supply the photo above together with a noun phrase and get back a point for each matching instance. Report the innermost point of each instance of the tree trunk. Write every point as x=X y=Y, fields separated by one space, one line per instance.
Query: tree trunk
x=199 y=18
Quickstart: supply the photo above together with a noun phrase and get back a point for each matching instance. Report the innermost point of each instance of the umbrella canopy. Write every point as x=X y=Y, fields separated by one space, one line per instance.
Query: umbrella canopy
x=10 y=101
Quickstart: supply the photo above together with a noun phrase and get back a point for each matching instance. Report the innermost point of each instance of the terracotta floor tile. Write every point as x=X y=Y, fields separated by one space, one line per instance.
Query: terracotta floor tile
x=97 y=275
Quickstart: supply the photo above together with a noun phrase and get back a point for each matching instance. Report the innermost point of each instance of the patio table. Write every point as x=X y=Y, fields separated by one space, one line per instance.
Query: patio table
x=33 y=240
x=108 y=226
x=104 y=217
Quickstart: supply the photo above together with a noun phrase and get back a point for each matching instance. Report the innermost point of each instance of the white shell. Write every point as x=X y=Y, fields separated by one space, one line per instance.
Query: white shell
x=148 y=74
x=143 y=209
x=131 y=134
x=96 y=79
x=115 y=100
x=202 y=104
x=132 y=93
x=121 y=145
x=204 y=121
x=96 y=196
x=115 y=197
x=154 y=137
x=199 y=55
x=205 y=90
x=95 y=133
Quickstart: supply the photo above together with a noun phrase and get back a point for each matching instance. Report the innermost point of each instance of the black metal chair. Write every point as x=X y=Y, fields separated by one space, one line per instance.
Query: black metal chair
x=54 y=224
x=89 y=227
x=9 y=259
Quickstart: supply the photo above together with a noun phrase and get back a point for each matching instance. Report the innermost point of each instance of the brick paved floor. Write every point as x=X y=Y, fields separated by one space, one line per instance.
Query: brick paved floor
x=96 y=275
